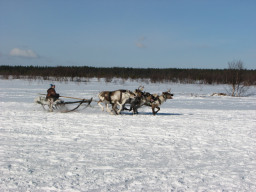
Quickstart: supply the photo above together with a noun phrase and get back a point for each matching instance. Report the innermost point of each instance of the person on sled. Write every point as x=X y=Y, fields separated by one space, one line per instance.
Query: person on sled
x=51 y=93
x=52 y=96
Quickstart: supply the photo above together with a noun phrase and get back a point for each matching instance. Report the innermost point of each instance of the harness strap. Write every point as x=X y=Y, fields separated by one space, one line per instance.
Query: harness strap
x=120 y=97
x=159 y=100
x=109 y=97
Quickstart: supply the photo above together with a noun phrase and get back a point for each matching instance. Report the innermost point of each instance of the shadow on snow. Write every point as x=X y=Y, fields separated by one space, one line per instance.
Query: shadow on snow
x=150 y=113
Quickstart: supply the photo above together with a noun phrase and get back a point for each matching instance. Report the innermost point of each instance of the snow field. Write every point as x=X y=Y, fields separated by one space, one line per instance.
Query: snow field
x=195 y=143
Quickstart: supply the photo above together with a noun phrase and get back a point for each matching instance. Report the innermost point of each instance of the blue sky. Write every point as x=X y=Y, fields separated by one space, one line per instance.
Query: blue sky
x=128 y=33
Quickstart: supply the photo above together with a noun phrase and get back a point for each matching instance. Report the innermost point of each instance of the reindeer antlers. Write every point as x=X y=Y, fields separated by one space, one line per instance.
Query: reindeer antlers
x=141 y=88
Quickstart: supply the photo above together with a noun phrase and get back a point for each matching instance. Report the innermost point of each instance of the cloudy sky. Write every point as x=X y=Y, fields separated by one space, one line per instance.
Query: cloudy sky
x=128 y=33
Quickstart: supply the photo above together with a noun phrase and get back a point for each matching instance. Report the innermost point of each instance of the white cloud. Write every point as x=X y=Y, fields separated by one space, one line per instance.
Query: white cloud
x=23 y=53
x=140 y=42
x=140 y=45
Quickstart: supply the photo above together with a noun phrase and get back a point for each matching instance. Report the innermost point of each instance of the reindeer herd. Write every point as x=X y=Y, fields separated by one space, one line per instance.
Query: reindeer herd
x=119 y=98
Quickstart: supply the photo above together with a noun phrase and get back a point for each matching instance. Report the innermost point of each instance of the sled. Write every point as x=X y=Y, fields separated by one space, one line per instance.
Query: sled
x=60 y=105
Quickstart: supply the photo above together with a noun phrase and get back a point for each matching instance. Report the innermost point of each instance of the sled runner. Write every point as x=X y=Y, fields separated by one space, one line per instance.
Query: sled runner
x=60 y=105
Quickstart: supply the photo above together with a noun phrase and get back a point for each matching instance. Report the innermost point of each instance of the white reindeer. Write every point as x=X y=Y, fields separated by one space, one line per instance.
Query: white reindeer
x=115 y=98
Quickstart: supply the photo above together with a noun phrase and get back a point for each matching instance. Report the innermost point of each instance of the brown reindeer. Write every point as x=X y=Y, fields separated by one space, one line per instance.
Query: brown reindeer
x=142 y=98
x=145 y=99
x=160 y=99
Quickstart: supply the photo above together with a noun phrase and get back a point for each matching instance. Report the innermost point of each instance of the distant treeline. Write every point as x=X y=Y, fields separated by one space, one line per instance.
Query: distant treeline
x=75 y=73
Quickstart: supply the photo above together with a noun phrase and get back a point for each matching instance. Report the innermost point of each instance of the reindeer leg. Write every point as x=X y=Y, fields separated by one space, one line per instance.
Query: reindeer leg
x=108 y=108
x=99 y=103
x=158 y=109
x=114 y=108
x=137 y=106
x=135 y=109
x=120 y=106
x=131 y=106
x=153 y=110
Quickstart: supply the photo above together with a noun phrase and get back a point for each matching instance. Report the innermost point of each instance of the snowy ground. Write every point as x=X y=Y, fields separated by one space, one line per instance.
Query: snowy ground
x=196 y=142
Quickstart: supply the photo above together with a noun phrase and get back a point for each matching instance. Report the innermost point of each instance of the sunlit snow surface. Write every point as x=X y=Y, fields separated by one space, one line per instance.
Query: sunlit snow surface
x=196 y=142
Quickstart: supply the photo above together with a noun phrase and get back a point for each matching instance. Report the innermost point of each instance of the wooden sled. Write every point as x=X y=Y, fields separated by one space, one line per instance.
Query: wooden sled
x=60 y=105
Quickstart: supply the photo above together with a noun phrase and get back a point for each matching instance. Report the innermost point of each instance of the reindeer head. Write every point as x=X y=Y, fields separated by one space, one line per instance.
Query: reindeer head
x=141 y=88
x=138 y=91
x=168 y=94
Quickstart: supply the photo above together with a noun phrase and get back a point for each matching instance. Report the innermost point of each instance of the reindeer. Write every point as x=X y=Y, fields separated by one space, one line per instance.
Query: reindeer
x=145 y=98
x=142 y=98
x=131 y=101
x=159 y=100
x=115 y=98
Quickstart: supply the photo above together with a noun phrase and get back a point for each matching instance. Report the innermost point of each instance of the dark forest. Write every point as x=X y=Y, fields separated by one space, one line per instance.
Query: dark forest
x=75 y=73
